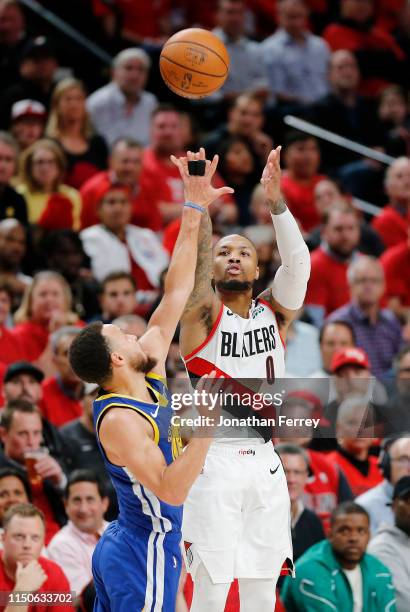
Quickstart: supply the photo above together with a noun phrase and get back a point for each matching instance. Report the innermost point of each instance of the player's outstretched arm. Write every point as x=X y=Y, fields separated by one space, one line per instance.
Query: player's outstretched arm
x=288 y=289
x=179 y=281
x=128 y=440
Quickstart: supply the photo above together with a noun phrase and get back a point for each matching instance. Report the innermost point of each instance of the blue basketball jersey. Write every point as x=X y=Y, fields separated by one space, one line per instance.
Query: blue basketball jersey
x=139 y=507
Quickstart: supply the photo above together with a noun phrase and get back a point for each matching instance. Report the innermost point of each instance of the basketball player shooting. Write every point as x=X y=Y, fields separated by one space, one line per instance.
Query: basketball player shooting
x=237 y=515
x=137 y=562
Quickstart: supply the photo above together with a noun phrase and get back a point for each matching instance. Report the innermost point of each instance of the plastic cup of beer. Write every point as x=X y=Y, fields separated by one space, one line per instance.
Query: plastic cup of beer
x=30 y=459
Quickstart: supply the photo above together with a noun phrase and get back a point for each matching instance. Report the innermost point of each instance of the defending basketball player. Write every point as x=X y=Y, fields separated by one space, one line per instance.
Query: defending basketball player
x=137 y=563
x=237 y=515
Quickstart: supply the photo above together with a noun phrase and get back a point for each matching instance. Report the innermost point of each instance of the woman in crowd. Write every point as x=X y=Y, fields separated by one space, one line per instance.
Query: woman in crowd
x=46 y=306
x=51 y=204
x=69 y=124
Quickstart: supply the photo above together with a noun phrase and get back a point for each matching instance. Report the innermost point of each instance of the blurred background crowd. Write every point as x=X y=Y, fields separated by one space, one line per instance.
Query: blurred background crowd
x=90 y=208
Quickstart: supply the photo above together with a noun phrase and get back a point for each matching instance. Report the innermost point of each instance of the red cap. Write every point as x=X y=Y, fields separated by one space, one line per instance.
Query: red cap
x=104 y=187
x=349 y=356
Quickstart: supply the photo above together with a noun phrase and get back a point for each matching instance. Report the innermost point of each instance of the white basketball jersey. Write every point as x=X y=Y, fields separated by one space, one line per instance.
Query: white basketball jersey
x=241 y=348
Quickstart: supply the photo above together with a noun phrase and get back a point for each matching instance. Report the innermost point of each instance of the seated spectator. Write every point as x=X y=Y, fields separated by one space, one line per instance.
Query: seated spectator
x=377 y=330
x=12 y=204
x=306 y=526
x=327 y=193
x=394 y=219
x=46 y=307
x=13 y=38
x=21 y=435
x=378 y=54
x=115 y=245
x=61 y=393
x=37 y=71
x=79 y=437
x=28 y=120
x=326 y=485
x=395 y=464
x=10 y=349
x=247 y=71
x=131 y=324
x=391 y=544
x=51 y=204
x=397 y=410
x=328 y=288
x=296 y=60
x=63 y=253
x=396 y=264
x=394 y=116
x=118 y=296
x=333 y=337
x=259 y=211
x=123 y=107
x=302 y=161
x=352 y=453
x=302 y=355
x=124 y=168
x=338 y=573
x=22 y=568
x=13 y=247
x=14 y=489
x=72 y=547
x=69 y=124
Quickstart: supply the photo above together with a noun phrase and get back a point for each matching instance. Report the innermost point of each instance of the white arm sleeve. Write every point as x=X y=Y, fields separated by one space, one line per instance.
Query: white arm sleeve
x=290 y=282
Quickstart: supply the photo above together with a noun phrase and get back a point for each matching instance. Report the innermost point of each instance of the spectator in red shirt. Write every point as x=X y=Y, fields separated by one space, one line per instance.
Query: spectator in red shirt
x=396 y=264
x=328 y=287
x=118 y=296
x=13 y=246
x=62 y=393
x=46 y=307
x=352 y=454
x=378 y=54
x=394 y=219
x=124 y=168
x=142 y=21
x=302 y=161
x=22 y=569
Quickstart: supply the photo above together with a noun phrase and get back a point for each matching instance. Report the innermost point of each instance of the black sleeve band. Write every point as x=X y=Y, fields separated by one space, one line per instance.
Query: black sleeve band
x=197 y=167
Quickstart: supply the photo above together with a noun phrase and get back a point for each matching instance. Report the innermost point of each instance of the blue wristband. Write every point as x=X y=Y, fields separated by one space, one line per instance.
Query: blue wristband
x=195 y=206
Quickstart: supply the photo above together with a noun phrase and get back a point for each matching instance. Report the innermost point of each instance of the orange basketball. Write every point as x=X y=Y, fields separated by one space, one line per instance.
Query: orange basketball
x=194 y=63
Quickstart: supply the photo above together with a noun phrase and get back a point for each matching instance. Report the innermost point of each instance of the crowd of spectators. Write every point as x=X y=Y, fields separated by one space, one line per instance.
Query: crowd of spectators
x=90 y=208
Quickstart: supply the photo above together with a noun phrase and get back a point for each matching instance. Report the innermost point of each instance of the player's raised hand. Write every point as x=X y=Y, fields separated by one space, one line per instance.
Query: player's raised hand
x=271 y=175
x=199 y=189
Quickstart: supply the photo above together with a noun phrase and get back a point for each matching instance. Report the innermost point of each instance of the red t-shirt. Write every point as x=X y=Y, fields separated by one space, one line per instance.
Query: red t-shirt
x=322 y=488
x=141 y=17
x=357 y=481
x=33 y=337
x=300 y=200
x=327 y=285
x=56 y=583
x=391 y=226
x=396 y=264
x=10 y=347
x=144 y=201
x=40 y=500
x=57 y=407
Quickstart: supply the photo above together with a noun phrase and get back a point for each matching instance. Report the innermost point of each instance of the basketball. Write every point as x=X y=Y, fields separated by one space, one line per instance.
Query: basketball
x=194 y=63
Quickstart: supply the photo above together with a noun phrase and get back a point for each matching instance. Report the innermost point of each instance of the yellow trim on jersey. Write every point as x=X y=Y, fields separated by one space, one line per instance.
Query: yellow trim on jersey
x=144 y=414
x=157 y=377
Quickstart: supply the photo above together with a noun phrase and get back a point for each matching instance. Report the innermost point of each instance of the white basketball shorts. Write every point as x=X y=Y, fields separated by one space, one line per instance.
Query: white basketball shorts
x=237 y=515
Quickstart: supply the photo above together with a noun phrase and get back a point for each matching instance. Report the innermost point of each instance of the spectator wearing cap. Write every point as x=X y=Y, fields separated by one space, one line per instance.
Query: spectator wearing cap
x=61 y=393
x=115 y=245
x=328 y=287
x=394 y=464
x=338 y=573
x=38 y=67
x=123 y=106
x=353 y=446
x=377 y=330
x=85 y=502
x=124 y=168
x=296 y=60
x=12 y=204
x=13 y=248
x=394 y=219
x=28 y=119
x=396 y=264
x=69 y=124
x=13 y=39
x=51 y=204
x=391 y=544
x=79 y=437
